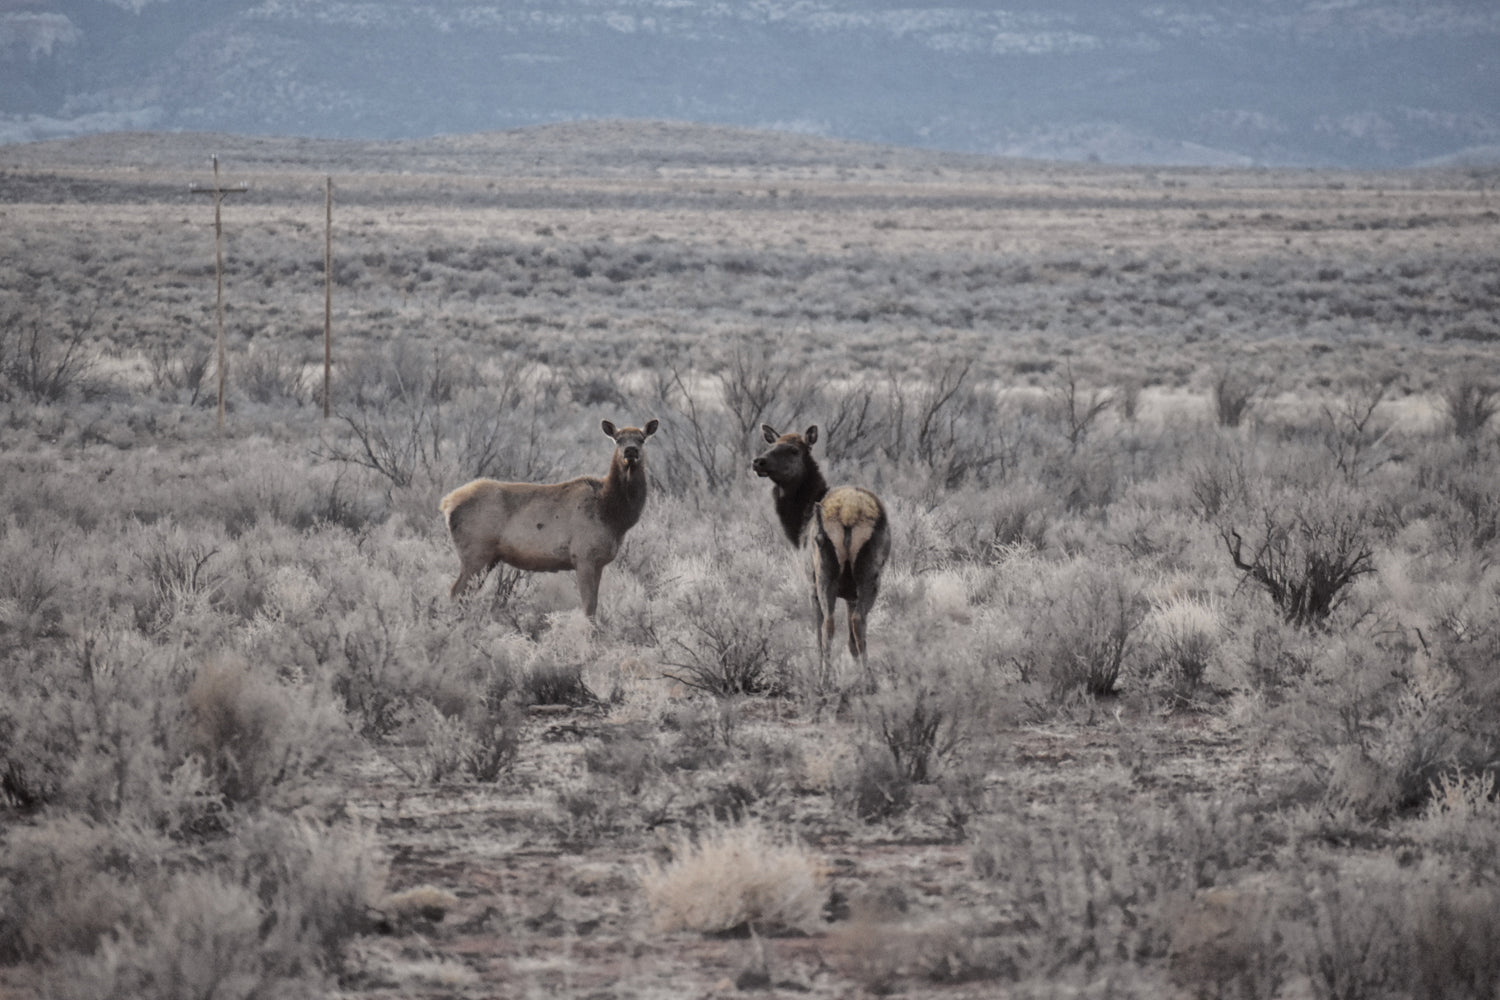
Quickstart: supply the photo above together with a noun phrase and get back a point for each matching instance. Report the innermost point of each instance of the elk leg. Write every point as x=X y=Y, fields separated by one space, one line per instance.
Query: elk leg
x=472 y=572
x=588 y=587
x=859 y=614
x=856 y=633
x=469 y=578
x=826 y=630
x=826 y=591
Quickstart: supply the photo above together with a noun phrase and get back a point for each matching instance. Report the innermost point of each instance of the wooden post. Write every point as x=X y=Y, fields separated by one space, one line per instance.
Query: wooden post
x=219 y=193
x=328 y=301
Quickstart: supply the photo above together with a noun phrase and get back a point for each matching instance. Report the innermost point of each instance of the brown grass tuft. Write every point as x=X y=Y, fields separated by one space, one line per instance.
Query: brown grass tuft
x=736 y=878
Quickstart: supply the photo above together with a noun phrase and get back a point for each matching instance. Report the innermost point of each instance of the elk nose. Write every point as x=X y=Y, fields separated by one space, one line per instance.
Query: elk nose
x=632 y=454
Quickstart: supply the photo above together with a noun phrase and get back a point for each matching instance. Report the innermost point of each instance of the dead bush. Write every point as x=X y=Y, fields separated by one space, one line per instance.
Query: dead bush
x=736 y=878
x=1234 y=394
x=271 y=919
x=273 y=376
x=1075 y=410
x=198 y=937
x=254 y=733
x=920 y=720
x=46 y=356
x=1469 y=404
x=1084 y=894
x=1355 y=439
x=1305 y=550
x=1453 y=930
x=67 y=882
x=1352 y=948
x=875 y=787
x=1083 y=633
x=315 y=884
x=178 y=372
x=726 y=647
x=1185 y=635
x=757 y=377
x=408 y=417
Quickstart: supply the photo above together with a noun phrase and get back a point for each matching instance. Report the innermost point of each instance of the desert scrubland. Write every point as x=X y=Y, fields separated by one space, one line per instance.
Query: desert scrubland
x=1183 y=678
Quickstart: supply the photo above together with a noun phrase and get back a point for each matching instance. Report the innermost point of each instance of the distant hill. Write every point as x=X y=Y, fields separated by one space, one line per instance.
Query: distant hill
x=1359 y=83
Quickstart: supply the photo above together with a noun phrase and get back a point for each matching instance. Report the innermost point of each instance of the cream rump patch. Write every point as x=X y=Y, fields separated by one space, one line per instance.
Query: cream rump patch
x=849 y=506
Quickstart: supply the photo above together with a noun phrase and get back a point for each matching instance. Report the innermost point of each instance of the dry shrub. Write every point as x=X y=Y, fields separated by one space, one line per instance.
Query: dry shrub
x=382 y=665
x=1351 y=946
x=1083 y=633
x=552 y=672
x=314 y=882
x=885 y=956
x=1184 y=634
x=875 y=787
x=67 y=882
x=1381 y=724
x=1469 y=405
x=270 y=920
x=413 y=418
x=1133 y=884
x=554 y=682
x=1305 y=548
x=1453 y=931
x=37 y=747
x=99 y=728
x=33 y=597
x=254 y=733
x=978 y=523
x=1219 y=481
x=1355 y=439
x=1076 y=412
x=419 y=903
x=479 y=742
x=1379 y=933
x=443 y=744
x=925 y=698
x=1084 y=895
x=1461 y=819
x=1234 y=394
x=920 y=717
x=1225 y=942
x=736 y=878
x=274 y=376
x=47 y=355
x=197 y=940
x=725 y=641
x=1467 y=503
x=180 y=375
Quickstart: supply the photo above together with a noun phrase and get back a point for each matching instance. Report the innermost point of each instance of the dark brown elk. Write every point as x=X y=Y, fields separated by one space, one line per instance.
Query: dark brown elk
x=577 y=525
x=843 y=533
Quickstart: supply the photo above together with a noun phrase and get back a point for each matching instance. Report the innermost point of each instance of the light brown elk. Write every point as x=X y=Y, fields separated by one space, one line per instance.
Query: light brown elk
x=843 y=533
x=551 y=527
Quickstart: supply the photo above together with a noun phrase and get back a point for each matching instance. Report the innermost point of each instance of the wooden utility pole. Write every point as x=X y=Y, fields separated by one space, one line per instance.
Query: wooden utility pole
x=328 y=301
x=219 y=192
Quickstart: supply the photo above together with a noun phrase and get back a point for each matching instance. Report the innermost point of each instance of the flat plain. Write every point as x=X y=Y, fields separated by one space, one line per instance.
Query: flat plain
x=1182 y=680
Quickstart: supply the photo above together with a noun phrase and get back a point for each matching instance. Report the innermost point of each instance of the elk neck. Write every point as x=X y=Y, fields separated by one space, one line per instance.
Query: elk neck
x=794 y=501
x=623 y=498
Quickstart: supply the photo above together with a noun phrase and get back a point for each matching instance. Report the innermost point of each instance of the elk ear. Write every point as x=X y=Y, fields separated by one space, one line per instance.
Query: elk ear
x=769 y=433
x=608 y=427
x=811 y=437
x=651 y=426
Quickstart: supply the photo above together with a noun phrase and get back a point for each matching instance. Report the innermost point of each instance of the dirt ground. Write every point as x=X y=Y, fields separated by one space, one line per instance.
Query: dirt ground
x=538 y=915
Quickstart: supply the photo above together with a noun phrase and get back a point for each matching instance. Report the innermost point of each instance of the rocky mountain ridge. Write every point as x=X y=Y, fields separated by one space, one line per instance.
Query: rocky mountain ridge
x=1343 y=83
